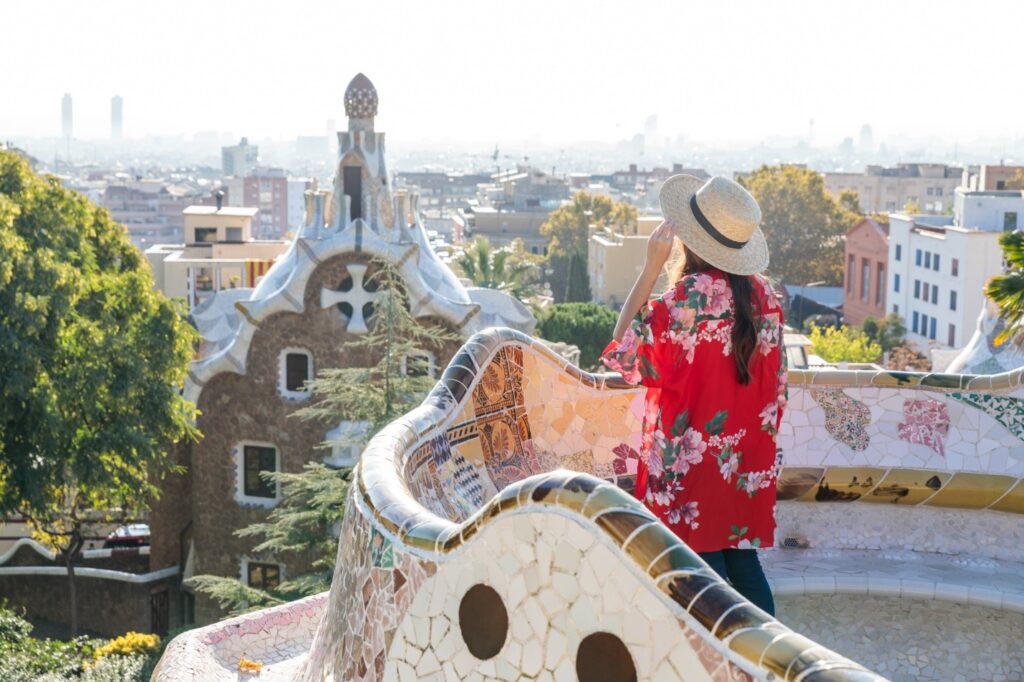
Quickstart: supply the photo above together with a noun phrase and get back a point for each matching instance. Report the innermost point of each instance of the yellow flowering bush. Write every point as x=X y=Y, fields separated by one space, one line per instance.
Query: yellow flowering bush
x=128 y=644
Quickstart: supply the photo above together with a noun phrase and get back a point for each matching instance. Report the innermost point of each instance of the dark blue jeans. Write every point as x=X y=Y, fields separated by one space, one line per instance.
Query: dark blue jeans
x=743 y=571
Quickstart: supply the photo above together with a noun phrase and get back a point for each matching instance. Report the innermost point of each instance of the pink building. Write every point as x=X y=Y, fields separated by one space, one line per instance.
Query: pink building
x=866 y=263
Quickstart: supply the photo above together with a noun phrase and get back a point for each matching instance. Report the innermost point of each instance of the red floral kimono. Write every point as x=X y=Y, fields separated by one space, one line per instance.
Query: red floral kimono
x=708 y=465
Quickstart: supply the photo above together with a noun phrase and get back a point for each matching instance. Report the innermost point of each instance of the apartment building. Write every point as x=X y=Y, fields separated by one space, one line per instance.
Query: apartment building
x=615 y=259
x=930 y=186
x=219 y=253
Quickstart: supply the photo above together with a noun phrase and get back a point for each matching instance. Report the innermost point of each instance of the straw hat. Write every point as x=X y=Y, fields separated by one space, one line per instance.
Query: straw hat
x=718 y=220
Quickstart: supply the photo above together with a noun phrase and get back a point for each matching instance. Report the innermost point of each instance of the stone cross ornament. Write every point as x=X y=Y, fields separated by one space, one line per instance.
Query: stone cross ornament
x=356 y=297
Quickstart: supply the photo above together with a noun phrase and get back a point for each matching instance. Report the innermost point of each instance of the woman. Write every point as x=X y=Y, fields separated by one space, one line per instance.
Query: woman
x=709 y=352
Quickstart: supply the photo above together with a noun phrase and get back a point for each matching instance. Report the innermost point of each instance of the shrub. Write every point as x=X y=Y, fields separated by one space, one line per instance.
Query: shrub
x=129 y=644
x=588 y=326
x=24 y=658
x=13 y=628
x=127 y=668
x=846 y=344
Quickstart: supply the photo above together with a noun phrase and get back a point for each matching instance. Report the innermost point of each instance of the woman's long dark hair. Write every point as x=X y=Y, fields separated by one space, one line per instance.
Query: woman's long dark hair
x=744 y=332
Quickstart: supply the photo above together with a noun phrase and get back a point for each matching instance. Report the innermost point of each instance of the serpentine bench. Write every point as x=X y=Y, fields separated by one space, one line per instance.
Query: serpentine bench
x=490 y=533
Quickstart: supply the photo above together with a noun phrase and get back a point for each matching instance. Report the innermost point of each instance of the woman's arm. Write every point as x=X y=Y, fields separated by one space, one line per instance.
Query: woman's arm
x=659 y=247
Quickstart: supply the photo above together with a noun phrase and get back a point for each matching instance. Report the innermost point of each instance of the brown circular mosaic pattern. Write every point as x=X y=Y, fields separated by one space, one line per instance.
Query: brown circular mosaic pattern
x=483 y=621
x=602 y=657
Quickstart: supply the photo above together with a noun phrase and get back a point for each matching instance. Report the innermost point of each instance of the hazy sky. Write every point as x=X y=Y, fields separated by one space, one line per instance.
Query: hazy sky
x=557 y=70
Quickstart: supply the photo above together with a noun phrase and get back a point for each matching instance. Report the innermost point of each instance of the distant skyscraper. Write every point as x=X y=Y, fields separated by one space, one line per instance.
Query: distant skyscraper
x=651 y=125
x=867 y=138
x=332 y=135
x=116 y=117
x=65 y=117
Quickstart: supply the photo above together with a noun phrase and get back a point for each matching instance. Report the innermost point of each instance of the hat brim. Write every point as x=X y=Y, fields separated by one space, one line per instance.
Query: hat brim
x=675 y=197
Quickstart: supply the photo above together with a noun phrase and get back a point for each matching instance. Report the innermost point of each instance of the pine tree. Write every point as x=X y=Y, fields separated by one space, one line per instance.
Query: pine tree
x=579 y=282
x=304 y=523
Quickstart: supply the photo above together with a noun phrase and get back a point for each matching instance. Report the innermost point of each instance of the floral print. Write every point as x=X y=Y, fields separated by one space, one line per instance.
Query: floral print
x=708 y=461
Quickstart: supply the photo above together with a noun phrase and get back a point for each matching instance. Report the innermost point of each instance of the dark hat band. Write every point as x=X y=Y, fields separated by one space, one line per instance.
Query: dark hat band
x=710 y=229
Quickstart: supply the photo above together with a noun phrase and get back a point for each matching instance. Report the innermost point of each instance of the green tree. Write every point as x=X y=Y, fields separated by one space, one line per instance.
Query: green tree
x=846 y=344
x=501 y=269
x=578 y=290
x=912 y=207
x=304 y=523
x=849 y=201
x=568 y=229
x=92 y=360
x=1007 y=290
x=887 y=332
x=802 y=223
x=588 y=326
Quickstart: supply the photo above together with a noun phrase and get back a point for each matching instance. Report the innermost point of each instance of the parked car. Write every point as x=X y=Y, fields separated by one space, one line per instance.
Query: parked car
x=131 y=535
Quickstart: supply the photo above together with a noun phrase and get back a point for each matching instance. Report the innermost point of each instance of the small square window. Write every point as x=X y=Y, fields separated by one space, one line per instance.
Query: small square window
x=263 y=576
x=234 y=234
x=256 y=460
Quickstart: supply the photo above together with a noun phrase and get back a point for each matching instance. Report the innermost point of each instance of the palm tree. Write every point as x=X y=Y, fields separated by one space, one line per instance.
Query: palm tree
x=499 y=269
x=1007 y=290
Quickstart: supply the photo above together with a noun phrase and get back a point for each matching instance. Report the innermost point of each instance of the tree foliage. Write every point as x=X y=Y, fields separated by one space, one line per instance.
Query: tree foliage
x=1007 y=290
x=578 y=290
x=802 y=223
x=92 y=360
x=304 y=524
x=502 y=269
x=887 y=332
x=845 y=344
x=568 y=228
x=589 y=326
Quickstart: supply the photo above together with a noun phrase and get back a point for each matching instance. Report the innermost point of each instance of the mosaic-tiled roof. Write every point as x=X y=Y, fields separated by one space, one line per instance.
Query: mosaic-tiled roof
x=360 y=98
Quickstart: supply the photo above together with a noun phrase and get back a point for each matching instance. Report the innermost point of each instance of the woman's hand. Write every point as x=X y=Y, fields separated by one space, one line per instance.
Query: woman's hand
x=659 y=246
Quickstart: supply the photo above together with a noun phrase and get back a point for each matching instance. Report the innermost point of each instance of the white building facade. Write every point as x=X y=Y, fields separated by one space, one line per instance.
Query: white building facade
x=994 y=210
x=939 y=265
x=938 y=277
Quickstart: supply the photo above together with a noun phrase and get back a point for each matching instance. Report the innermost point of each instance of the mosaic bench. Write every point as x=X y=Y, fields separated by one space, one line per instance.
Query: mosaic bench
x=491 y=535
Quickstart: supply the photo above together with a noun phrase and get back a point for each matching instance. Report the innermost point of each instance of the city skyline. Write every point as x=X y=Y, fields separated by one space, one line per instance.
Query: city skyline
x=553 y=74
